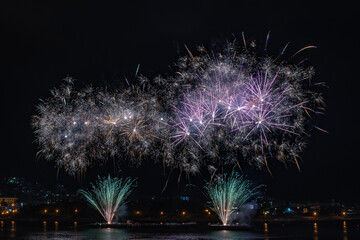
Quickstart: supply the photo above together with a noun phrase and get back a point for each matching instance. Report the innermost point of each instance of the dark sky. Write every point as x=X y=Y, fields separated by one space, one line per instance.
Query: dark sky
x=100 y=43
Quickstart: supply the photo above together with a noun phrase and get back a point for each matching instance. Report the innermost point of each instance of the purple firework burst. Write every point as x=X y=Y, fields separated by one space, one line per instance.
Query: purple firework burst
x=236 y=106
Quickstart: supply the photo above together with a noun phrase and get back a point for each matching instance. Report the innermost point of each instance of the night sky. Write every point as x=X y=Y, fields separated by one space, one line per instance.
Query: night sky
x=102 y=44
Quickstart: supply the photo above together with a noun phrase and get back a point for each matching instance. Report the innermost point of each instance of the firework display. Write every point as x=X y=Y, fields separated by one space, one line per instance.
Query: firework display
x=227 y=193
x=107 y=195
x=220 y=108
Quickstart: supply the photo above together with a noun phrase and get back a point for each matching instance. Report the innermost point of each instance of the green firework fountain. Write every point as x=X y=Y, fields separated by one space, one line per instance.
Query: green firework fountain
x=108 y=194
x=228 y=193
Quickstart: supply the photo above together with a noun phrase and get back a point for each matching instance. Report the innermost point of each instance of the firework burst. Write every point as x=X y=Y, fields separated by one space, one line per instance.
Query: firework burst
x=234 y=106
x=227 y=193
x=107 y=195
x=79 y=128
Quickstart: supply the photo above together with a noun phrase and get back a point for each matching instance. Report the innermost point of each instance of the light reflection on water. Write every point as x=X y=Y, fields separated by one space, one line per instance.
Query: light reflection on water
x=316 y=236
x=120 y=234
x=75 y=226
x=315 y=228
x=44 y=225
x=266 y=230
x=43 y=230
x=345 y=231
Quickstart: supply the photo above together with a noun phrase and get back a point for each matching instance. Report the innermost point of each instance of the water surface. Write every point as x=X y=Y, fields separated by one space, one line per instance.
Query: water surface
x=343 y=230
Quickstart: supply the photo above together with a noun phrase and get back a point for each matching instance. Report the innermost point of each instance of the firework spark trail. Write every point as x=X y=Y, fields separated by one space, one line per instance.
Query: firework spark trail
x=108 y=194
x=228 y=193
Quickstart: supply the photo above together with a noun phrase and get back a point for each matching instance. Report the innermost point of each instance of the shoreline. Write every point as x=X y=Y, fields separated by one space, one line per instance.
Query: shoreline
x=306 y=219
x=187 y=221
